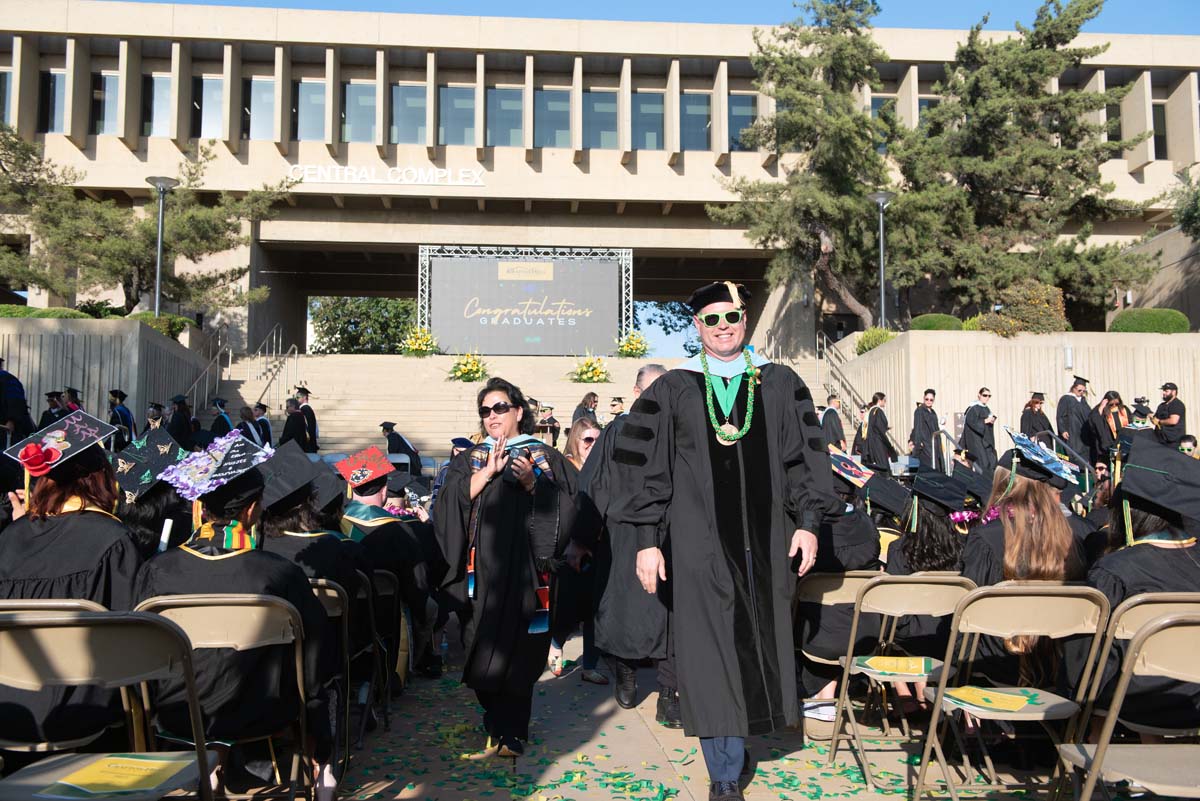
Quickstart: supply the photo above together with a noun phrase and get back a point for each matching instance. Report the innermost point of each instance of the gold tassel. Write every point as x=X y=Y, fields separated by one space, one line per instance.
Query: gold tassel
x=197 y=515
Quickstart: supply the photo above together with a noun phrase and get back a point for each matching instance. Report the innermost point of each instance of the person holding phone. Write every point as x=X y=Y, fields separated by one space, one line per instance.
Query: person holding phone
x=502 y=519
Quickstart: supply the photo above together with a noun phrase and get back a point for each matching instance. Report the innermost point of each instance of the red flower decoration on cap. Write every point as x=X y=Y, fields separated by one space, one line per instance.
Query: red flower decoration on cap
x=38 y=460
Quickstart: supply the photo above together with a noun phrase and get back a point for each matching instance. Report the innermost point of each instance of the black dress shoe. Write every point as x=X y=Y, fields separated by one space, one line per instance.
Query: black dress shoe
x=510 y=747
x=725 y=791
x=625 y=686
x=668 y=708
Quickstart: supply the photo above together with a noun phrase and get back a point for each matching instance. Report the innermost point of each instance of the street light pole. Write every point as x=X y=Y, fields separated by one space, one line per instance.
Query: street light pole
x=163 y=185
x=881 y=199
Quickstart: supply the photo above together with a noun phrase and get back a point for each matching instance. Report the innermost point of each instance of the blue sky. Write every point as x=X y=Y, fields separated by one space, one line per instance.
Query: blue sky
x=1119 y=16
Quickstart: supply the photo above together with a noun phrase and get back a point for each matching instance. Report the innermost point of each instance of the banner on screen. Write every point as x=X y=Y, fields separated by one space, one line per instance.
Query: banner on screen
x=515 y=307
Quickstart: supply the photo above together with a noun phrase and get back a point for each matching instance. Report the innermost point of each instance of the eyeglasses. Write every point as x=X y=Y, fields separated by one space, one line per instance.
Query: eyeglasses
x=985 y=394
x=712 y=320
x=589 y=440
x=498 y=408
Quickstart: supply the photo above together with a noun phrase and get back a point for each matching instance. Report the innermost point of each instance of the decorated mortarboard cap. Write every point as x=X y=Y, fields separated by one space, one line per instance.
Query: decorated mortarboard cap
x=847 y=469
x=286 y=473
x=117 y=394
x=223 y=461
x=1038 y=396
x=1163 y=476
x=718 y=292
x=328 y=486
x=140 y=464
x=364 y=467
x=387 y=426
x=885 y=493
x=461 y=442
x=946 y=492
x=60 y=442
x=1033 y=461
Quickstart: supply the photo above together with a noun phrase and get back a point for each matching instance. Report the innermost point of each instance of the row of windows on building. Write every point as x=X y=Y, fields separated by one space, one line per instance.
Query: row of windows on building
x=503 y=113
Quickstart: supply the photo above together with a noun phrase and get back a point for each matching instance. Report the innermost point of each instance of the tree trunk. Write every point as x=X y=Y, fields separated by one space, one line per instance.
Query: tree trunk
x=834 y=282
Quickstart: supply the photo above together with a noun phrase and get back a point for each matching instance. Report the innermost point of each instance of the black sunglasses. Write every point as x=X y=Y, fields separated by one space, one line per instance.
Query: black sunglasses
x=498 y=408
x=589 y=440
x=713 y=319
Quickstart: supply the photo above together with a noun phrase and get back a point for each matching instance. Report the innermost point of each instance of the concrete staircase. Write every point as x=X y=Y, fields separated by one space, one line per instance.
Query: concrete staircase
x=352 y=394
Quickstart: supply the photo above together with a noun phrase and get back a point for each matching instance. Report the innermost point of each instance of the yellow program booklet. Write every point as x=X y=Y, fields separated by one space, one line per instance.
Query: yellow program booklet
x=897 y=665
x=118 y=773
x=987 y=698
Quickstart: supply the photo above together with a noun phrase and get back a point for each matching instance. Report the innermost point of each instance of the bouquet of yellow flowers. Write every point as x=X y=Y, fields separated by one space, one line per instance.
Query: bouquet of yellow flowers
x=590 y=371
x=633 y=345
x=418 y=342
x=468 y=367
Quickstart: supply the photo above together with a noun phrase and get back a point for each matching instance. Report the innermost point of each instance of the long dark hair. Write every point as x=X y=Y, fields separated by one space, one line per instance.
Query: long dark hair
x=515 y=398
x=144 y=518
x=301 y=518
x=88 y=477
x=934 y=544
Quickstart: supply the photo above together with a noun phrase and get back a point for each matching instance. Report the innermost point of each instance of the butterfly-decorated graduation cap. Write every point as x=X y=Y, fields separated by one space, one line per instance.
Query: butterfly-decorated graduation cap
x=140 y=464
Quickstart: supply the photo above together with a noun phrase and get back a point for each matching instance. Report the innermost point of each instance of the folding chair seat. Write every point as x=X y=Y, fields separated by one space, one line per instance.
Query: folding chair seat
x=377 y=653
x=106 y=649
x=1010 y=609
x=337 y=606
x=395 y=629
x=891 y=597
x=1164 y=646
x=830 y=589
x=244 y=622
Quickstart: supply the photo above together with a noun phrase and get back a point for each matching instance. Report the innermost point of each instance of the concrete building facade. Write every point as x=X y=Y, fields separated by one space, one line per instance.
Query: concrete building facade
x=404 y=130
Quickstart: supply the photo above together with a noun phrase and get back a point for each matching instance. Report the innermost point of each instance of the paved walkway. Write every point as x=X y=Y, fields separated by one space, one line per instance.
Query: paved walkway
x=584 y=746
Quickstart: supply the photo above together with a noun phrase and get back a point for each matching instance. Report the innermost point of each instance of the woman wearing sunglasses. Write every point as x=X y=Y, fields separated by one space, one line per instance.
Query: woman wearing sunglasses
x=502 y=517
x=573 y=597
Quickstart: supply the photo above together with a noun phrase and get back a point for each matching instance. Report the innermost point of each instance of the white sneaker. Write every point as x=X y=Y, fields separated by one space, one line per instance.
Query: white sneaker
x=820 y=710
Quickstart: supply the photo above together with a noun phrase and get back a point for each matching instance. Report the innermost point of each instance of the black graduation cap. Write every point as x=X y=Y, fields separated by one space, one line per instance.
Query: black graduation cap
x=285 y=474
x=617 y=399
x=947 y=492
x=462 y=442
x=328 y=486
x=886 y=494
x=206 y=471
x=72 y=390
x=975 y=483
x=179 y=399
x=401 y=480
x=302 y=390
x=156 y=406
x=387 y=426
x=219 y=402
x=118 y=395
x=55 y=394
x=718 y=292
x=1080 y=380
x=1141 y=410
x=59 y=442
x=140 y=464
x=1164 y=476
x=261 y=407
x=1038 y=396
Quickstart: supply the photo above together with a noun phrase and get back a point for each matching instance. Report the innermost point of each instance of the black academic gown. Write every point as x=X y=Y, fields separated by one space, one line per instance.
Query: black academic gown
x=979 y=438
x=848 y=541
x=325 y=555
x=398 y=444
x=409 y=549
x=831 y=427
x=983 y=563
x=264 y=429
x=180 y=429
x=1034 y=422
x=515 y=535
x=1071 y=416
x=51 y=416
x=877 y=448
x=1151 y=700
x=87 y=555
x=730 y=513
x=925 y=427
x=310 y=424
x=251 y=432
x=242 y=693
x=630 y=623
x=221 y=425
x=295 y=430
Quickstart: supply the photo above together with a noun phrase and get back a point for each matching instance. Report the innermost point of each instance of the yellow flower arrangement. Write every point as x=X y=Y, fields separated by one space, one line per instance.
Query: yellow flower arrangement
x=418 y=342
x=633 y=345
x=591 y=370
x=468 y=367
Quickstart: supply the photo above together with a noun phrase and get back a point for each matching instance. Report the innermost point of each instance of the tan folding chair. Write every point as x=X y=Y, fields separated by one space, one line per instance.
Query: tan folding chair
x=891 y=597
x=1123 y=624
x=1010 y=609
x=337 y=607
x=106 y=649
x=243 y=622
x=377 y=653
x=1165 y=646
x=389 y=617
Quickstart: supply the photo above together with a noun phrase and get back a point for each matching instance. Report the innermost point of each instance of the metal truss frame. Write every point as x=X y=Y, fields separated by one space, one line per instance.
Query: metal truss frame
x=623 y=257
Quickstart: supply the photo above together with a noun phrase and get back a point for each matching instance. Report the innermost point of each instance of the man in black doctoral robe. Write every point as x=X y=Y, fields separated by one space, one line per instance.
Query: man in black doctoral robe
x=979 y=435
x=397 y=443
x=924 y=431
x=877 y=450
x=1072 y=416
x=831 y=423
x=295 y=429
x=310 y=418
x=725 y=457
x=631 y=625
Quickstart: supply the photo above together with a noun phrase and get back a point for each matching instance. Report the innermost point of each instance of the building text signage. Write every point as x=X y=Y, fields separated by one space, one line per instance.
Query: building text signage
x=395 y=176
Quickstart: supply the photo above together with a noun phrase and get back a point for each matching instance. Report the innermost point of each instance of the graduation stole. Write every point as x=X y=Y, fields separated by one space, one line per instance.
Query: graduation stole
x=213 y=540
x=866 y=423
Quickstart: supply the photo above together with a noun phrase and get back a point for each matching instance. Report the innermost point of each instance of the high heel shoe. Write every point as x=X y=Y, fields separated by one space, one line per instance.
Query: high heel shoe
x=555 y=662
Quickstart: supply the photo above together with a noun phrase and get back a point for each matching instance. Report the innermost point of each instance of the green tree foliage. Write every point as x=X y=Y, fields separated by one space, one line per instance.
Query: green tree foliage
x=1187 y=206
x=872 y=338
x=83 y=245
x=360 y=325
x=1150 y=321
x=1001 y=180
x=818 y=219
x=672 y=317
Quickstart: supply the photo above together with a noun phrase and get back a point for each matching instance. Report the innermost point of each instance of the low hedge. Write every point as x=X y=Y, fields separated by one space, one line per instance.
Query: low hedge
x=170 y=325
x=872 y=338
x=14 y=310
x=936 y=322
x=1150 y=321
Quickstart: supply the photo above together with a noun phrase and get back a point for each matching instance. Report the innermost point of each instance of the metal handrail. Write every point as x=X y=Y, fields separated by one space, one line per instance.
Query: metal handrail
x=268 y=350
x=287 y=367
x=218 y=340
x=838 y=384
x=206 y=375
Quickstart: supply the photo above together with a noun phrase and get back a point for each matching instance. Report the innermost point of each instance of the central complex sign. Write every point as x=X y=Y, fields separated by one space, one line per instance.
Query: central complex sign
x=544 y=308
x=399 y=176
